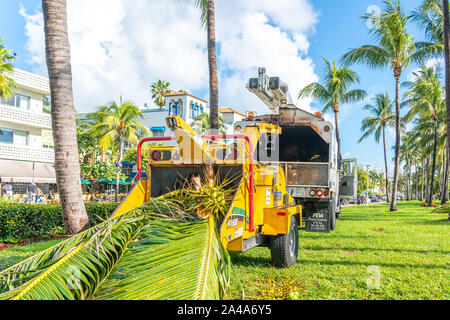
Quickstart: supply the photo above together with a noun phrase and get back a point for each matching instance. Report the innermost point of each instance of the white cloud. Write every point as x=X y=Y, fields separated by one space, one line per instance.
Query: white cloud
x=121 y=47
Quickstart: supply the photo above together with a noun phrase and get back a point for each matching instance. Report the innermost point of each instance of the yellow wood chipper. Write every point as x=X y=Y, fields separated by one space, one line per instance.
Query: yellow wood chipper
x=266 y=210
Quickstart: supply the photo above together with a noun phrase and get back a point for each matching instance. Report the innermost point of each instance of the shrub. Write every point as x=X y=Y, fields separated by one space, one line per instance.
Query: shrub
x=27 y=221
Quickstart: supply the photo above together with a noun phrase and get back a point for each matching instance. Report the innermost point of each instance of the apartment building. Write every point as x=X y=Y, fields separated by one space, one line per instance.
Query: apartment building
x=26 y=144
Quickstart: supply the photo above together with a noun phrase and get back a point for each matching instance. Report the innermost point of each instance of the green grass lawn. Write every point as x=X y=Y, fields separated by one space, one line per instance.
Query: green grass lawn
x=408 y=251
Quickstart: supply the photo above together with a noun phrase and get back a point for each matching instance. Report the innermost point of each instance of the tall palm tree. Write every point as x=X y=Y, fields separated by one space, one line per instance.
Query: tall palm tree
x=426 y=98
x=383 y=117
x=395 y=49
x=6 y=67
x=119 y=123
x=446 y=30
x=208 y=19
x=334 y=91
x=159 y=90
x=406 y=153
x=67 y=166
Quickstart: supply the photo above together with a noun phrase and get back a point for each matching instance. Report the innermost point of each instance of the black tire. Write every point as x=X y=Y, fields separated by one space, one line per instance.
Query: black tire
x=284 y=248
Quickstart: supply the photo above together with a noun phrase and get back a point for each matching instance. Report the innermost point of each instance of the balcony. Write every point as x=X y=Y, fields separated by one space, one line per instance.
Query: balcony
x=22 y=153
x=25 y=117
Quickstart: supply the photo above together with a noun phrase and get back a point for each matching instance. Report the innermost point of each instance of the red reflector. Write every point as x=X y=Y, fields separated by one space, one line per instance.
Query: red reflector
x=156 y=155
x=319 y=193
x=281 y=213
x=325 y=193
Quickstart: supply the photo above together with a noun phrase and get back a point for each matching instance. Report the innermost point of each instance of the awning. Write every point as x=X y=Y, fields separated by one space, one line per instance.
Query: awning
x=23 y=172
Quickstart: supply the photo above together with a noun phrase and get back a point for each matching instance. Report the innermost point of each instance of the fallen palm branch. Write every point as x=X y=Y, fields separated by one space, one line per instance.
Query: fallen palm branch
x=161 y=250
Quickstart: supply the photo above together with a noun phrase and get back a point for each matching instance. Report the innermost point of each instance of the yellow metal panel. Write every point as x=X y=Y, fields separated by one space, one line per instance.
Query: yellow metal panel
x=136 y=198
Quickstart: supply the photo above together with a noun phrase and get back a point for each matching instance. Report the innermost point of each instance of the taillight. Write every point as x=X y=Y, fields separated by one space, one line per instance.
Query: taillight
x=325 y=193
x=312 y=193
x=319 y=193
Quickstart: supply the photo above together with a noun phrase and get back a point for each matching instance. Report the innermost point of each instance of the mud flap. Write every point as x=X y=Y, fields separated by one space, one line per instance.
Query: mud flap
x=318 y=220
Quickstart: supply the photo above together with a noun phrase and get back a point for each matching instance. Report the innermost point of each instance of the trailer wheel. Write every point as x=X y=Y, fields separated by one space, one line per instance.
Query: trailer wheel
x=284 y=248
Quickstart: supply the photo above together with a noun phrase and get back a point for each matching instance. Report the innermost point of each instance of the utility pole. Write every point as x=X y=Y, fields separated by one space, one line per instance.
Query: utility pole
x=367 y=197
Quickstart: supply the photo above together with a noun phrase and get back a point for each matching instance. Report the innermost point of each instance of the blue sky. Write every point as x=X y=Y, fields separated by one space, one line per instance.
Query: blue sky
x=325 y=28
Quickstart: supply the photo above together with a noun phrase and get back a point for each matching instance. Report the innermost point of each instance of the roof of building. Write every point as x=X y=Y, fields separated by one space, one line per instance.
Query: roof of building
x=175 y=94
x=230 y=110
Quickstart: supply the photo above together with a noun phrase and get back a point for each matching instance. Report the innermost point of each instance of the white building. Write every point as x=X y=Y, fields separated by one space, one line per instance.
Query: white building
x=26 y=144
x=182 y=104
x=230 y=117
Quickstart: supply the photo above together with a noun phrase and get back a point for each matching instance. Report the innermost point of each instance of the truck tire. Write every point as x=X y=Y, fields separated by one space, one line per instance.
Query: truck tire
x=284 y=248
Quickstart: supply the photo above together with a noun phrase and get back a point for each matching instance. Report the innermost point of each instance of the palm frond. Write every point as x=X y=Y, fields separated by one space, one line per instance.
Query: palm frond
x=171 y=261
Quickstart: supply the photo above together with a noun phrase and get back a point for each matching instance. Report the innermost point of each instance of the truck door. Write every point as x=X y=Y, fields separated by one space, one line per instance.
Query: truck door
x=348 y=186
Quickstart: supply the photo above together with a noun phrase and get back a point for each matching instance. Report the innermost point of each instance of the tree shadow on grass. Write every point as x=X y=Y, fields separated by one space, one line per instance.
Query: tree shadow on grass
x=379 y=264
x=424 y=251
x=239 y=259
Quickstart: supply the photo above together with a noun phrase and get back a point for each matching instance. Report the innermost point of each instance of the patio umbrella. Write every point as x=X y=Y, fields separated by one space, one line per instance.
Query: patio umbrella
x=84 y=181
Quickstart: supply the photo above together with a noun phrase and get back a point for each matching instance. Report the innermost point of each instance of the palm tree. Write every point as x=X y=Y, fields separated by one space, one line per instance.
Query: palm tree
x=406 y=154
x=334 y=91
x=395 y=48
x=159 y=90
x=67 y=166
x=426 y=98
x=117 y=124
x=446 y=30
x=201 y=124
x=6 y=67
x=383 y=117
x=208 y=19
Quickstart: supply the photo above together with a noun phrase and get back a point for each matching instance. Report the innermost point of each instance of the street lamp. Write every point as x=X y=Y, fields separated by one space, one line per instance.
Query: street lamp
x=367 y=198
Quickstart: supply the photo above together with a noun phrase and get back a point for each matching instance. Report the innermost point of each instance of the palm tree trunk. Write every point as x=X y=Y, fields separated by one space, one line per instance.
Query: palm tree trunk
x=445 y=8
x=386 y=164
x=422 y=193
x=119 y=167
x=338 y=137
x=67 y=166
x=427 y=185
x=397 y=142
x=410 y=183
x=433 y=167
x=212 y=61
x=446 y=172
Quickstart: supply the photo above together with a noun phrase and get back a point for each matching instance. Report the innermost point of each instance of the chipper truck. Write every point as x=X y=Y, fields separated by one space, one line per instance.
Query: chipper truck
x=283 y=170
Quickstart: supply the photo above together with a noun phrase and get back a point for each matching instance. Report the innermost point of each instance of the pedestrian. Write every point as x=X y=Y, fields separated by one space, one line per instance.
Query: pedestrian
x=7 y=189
x=31 y=192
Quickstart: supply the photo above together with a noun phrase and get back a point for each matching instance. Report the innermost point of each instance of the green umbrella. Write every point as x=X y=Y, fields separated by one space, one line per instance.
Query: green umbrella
x=84 y=181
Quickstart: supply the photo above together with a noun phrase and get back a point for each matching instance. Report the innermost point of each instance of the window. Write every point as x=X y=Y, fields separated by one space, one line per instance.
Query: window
x=9 y=102
x=6 y=136
x=20 y=138
x=22 y=102
x=158 y=133
x=17 y=100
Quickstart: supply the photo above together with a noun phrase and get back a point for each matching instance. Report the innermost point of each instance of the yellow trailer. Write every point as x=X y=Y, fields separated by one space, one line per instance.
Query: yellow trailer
x=262 y=212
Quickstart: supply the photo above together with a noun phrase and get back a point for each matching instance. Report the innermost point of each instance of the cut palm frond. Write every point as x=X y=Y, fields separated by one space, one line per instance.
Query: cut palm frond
x=74 y=269
x=171 y=261
x=161 y=250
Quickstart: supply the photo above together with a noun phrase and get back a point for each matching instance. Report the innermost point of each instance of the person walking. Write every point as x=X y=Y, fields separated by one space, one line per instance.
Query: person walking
x=31 y=192
x=7 y=189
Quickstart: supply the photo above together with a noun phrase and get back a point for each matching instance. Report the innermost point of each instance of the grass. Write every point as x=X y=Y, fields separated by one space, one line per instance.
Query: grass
x=408 y=251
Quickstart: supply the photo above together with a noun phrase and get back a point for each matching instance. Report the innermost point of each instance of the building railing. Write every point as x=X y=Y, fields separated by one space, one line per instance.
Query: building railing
x=17 y=115
x=23 y=153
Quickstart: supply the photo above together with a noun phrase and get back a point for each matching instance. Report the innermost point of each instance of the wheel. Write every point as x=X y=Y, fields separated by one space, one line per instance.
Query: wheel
x=284 y=248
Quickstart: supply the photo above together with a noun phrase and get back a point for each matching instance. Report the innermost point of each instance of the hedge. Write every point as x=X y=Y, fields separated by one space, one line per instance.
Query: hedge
x=27 y=221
